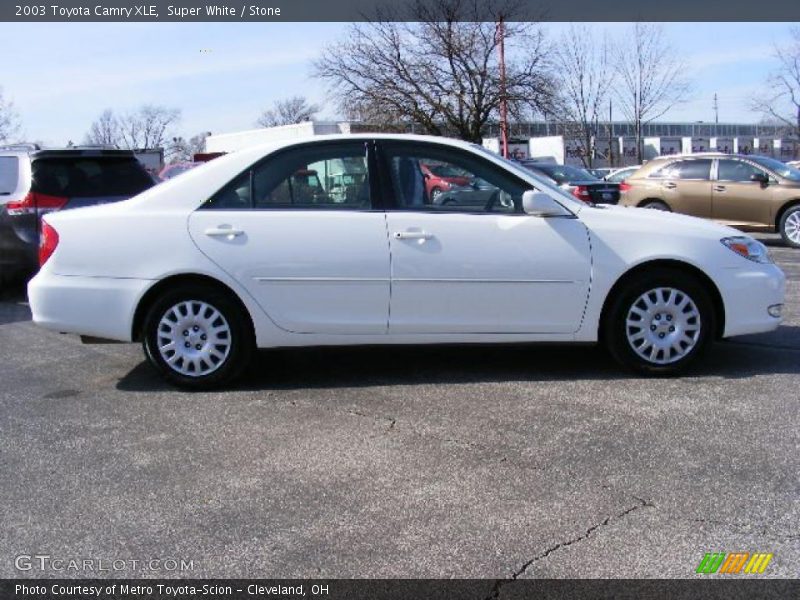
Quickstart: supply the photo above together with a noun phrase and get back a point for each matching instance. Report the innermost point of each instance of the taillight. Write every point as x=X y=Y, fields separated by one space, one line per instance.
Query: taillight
x=581 y=192
x=35 y=201
x=624 y=186
x=47 y=242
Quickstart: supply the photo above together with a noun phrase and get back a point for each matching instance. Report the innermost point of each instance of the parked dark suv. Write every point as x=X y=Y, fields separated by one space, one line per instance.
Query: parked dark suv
x=34 y=182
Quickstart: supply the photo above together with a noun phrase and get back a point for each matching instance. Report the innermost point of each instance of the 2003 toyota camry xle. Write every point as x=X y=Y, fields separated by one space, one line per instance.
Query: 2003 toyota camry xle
x=336 y=241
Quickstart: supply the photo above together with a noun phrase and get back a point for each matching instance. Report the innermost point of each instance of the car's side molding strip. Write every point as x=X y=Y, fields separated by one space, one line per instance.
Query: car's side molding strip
x=401 y=280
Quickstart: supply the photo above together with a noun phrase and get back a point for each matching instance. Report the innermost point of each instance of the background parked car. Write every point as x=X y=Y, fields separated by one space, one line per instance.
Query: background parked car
x=753 y=193
x=441 y=178
x=580 y=183
x=619 y=175
x=600 y=173
x=34 y=182
x=176 y=169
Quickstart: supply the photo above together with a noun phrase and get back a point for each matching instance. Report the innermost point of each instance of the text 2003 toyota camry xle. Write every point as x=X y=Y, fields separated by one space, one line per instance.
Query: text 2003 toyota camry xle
x=335 y=241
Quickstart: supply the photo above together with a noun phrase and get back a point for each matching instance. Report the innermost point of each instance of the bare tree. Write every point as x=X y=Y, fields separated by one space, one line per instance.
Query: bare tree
x=650 y=78
x=148 y=127
x=287 y=111
x=586 y=70
x=105 y=130
x=9 y=119
x=781 y=104
x=438 y=69
x=182 y=150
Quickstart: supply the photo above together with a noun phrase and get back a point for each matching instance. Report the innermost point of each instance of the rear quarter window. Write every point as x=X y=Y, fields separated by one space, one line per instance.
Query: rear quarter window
x=9 y=174
x=90 y=177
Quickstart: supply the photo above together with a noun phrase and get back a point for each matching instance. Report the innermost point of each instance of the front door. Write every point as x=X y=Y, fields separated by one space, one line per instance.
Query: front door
x=299 y=233
x=737 y=200
x=467 y=260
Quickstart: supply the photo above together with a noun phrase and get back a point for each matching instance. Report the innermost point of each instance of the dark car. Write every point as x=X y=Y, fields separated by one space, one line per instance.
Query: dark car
x=478 y=193
x=580 y=183
x=34 y=182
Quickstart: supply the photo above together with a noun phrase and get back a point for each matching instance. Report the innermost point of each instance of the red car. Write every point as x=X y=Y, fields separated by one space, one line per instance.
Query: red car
x=441 y=178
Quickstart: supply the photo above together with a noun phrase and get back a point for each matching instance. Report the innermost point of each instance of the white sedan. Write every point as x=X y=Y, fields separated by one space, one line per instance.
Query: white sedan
x=336 y=241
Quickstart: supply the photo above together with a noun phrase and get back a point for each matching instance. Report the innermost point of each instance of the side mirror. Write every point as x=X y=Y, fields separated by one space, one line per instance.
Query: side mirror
x=542 y=205
x=760 y=178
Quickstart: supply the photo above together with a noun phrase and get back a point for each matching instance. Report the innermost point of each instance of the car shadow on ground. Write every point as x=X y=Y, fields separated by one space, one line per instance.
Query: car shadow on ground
x=348 y=367
x=13 y=303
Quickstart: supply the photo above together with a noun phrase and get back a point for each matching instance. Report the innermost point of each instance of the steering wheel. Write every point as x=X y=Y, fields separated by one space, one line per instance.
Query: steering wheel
x=495 y=196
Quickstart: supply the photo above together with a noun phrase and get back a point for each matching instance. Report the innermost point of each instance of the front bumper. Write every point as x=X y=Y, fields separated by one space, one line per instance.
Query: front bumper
x=94 y=306
x=748 y=294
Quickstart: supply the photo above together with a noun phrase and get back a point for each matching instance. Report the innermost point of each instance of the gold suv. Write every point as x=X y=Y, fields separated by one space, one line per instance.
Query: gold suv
x=754 y=193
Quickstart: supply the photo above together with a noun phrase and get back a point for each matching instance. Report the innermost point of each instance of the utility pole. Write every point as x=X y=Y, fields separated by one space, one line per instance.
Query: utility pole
x=716 y=114
x=501 y=45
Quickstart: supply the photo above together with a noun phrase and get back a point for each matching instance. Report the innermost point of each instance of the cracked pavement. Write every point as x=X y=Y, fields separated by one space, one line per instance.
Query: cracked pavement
x=500 y=463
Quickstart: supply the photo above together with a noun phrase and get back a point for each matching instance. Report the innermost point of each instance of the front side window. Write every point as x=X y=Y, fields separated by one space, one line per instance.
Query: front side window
x=736 y=170
x=435 y=178
x=316 y=176
x=696 y=169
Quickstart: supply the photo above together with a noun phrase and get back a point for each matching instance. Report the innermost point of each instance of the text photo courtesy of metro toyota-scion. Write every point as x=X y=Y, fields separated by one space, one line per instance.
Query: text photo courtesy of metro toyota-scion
x=439 y=299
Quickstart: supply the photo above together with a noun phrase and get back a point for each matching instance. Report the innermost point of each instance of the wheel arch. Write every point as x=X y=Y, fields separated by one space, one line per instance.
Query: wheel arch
x=644 y=201
x=782 y=210
x=150 y=296
x=707 y=283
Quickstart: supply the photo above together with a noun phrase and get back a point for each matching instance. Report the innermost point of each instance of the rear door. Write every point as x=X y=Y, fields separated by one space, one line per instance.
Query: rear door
x=299 y=231
x=737 y=200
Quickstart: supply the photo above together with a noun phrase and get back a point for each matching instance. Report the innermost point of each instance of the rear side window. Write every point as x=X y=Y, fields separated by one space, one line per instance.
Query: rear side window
x=698 y=169
x=318 y=176
x=90 y=177
x=9 y=174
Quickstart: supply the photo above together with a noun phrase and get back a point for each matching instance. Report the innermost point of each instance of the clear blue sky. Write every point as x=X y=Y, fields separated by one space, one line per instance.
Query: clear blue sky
x=221 y=75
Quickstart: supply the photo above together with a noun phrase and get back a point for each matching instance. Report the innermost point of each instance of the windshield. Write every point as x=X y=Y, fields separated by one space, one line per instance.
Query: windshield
x=777 y=167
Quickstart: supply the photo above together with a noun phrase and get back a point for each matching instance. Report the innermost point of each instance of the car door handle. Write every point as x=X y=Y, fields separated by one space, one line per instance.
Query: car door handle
x=228 y=232
x=719 y=188
x=412 y=235
x=669 y=185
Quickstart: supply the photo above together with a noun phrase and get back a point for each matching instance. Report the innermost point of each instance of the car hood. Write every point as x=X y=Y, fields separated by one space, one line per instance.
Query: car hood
x=654 y=222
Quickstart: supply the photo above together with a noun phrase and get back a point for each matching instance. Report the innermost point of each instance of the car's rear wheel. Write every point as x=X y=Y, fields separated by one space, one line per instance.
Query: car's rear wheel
x=656 y=205
x=197 y=337
x=790 y=227
x=660 y=322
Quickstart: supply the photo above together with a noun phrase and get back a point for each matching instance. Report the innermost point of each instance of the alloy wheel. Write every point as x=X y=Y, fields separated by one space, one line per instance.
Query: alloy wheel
x=791 y=227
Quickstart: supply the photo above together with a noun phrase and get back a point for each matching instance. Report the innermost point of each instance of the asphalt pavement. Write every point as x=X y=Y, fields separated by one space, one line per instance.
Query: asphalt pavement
x=487 y=462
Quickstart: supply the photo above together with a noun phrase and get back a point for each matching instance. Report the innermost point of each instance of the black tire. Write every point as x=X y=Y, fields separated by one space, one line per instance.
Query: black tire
x=617 y=334
x=655 y=205
x=788 y=227
x=238 y=343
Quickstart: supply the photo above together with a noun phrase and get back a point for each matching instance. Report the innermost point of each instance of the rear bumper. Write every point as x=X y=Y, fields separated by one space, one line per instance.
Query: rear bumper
x=102 y=307
x=747 y=295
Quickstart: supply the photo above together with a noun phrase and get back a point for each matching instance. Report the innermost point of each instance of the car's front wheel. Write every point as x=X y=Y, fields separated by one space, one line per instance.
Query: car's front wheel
x=197 y=337
x=660 y=322
x=790 y=227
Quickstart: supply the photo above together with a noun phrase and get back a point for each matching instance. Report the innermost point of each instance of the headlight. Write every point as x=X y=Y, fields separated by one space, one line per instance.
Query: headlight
x=748 y=248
